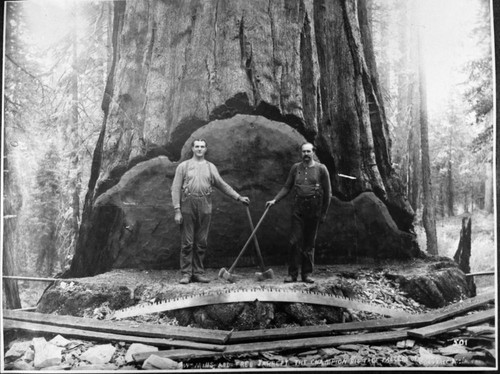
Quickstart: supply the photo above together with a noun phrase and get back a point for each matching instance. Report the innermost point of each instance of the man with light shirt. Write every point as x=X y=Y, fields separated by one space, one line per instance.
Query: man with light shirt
x=191 y=197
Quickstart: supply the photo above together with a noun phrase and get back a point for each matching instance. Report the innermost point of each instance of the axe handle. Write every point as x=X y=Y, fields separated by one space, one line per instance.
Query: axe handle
x=255 y=241
x=248 y=241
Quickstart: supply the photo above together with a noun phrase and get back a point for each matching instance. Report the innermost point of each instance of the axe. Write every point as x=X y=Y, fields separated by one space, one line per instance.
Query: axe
x=227 y=274
x=263 y=274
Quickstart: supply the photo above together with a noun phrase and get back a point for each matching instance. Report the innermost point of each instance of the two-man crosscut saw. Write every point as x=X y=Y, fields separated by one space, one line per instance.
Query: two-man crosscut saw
x=261 y=294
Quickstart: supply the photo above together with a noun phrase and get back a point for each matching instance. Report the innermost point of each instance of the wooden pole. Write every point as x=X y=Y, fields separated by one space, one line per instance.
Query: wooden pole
x=34 y=279
x=480 y=273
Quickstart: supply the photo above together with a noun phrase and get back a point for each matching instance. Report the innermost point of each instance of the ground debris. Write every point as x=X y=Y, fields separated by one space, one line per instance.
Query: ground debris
x=471 y=346
x=160 y=363
x=46 y=354
x=100 y=354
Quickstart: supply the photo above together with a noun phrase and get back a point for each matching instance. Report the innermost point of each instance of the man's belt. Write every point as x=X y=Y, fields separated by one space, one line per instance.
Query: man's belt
x=197 y=195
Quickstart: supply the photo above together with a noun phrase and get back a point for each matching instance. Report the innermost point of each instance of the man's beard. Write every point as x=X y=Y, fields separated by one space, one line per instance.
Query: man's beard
x=306 y=158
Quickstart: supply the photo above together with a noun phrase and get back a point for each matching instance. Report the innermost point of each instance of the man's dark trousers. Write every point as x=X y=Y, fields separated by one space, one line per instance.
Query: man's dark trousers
x=196 y=213
x=305 y=222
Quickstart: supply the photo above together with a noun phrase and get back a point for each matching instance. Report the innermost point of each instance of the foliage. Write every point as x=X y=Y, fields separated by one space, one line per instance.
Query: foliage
x=479 y=84
x=461 y=128
x=53 y=90
x=478 y=88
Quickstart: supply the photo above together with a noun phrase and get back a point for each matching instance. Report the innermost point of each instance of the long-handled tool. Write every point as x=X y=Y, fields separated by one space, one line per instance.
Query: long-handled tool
x=263 y=274
x=226 y=274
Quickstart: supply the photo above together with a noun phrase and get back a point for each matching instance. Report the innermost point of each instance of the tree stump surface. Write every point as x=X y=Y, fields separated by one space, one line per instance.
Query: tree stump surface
x=391 y=285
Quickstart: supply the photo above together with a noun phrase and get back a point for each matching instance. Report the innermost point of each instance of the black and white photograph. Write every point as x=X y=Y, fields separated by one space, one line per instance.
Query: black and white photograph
x=249 y=186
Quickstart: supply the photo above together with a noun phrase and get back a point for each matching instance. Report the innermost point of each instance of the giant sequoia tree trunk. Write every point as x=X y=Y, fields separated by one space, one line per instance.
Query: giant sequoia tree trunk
x=308 y=65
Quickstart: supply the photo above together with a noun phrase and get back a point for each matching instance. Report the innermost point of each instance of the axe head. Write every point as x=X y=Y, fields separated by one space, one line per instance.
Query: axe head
x=226 y=275
x=268 y=274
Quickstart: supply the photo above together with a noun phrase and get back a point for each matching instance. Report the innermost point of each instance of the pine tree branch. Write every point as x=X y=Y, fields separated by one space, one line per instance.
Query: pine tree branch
x=34 y=77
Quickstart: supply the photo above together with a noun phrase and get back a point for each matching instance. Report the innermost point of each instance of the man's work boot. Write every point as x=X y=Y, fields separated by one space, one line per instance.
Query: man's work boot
x=307 y=279
x=185 y=279
x=290 y=279
x=200 y=279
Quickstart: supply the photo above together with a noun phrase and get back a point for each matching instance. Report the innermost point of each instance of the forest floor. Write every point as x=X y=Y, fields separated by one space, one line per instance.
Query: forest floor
x=403 y=354
x=483 y=246
x=442 y=350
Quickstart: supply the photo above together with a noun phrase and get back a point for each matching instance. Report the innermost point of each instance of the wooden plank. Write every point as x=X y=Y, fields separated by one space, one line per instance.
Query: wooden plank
x=439 y=328
x=28 y=309
x=96 y=335
x=177 y=354
x=322 y=330
x=463 y=306
x=128 y=328
x=279 y=345
x=416 y=320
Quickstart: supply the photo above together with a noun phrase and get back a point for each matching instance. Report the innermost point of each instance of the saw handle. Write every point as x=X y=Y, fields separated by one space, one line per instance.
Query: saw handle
x=248 y=241
x=255 y=241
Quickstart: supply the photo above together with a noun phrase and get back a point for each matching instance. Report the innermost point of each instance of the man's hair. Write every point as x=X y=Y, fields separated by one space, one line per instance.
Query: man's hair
x=303 y=144
x=199 y=140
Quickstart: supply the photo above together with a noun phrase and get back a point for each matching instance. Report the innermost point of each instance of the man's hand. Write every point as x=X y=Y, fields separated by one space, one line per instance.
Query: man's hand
x=270 y=203
x=178 y=217
x=245 y=200
x=323 y=218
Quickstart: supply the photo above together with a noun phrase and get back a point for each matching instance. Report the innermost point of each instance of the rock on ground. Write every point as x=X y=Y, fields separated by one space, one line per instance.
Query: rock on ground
x=138 y=348
x=100 y=354
x=46 y=354
x=154 y=362
x=17 y=349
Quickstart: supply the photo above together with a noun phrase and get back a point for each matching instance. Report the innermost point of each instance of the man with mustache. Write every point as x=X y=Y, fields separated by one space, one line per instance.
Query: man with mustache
x=191 y=197
x=311 y=182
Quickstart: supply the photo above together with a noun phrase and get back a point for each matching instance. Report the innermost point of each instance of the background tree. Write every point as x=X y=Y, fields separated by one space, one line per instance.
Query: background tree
x=428 y=213
x=53 y=86
x=479 y=95
x=460 y=121
x=47 y=201
x=22 y=90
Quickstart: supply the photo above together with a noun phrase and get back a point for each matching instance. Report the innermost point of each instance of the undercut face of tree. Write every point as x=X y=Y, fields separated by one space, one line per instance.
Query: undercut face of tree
x=305 y=65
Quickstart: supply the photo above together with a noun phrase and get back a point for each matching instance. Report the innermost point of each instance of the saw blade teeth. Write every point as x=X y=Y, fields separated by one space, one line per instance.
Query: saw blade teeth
x=253 y=294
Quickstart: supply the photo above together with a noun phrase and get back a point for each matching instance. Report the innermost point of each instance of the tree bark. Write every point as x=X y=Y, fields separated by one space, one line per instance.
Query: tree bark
x=488 y=187
x=450 y=195
x=414 y=108
x=12 y=201
x=463 y=253
x=414 y=161
x=408 y=112
x=428 y=214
